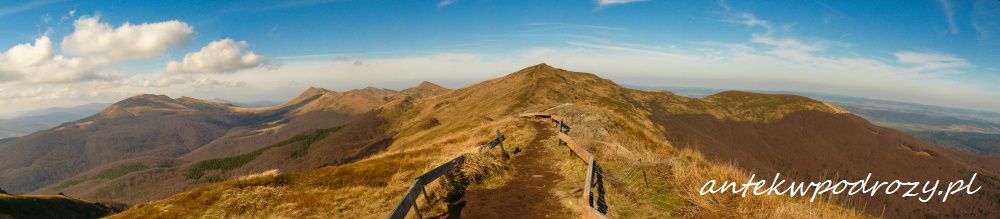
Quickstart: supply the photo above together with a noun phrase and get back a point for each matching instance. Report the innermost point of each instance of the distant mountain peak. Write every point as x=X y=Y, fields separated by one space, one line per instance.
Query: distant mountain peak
x=428 y=84
x=371 y=90
x=749 y=106
x=150 y=97
x=542 y=66
x=539 y=70
x=158 y=102
x=148 y=100
x=313 y=91
x=425 y=88
x=307 y=95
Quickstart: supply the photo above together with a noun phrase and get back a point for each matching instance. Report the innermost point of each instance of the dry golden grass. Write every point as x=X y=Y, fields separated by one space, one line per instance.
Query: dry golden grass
x=610 y=121
x=672 y=177
x=367 y=189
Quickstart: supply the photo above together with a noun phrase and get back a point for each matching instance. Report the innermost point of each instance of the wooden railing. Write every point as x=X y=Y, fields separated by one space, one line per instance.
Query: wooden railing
x=593 y=169
x=410 y=197
x=593 y=179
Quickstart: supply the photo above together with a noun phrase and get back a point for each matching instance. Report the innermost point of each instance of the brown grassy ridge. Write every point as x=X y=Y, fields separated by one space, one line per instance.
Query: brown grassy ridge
x=53 y=206
x=367 y=188
x=610 y=120
x=674 y=176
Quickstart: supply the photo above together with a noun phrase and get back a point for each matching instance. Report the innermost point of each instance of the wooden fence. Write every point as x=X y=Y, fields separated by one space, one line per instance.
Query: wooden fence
x=410 y=197
x=594 y=178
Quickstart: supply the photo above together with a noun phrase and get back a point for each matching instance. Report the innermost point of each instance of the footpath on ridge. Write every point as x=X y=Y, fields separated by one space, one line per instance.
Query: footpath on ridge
x=531 y=191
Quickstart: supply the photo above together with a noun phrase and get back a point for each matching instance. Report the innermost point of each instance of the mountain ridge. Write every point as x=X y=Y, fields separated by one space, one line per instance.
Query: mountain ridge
x=336 y=155
x=209 y=123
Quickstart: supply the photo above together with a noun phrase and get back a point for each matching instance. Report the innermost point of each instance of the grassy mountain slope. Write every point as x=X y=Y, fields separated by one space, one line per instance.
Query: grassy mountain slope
x=609 y=120
x=313 y=130
x=142 y=126
x=53 y=206
x=163 y=134
x=24 y=123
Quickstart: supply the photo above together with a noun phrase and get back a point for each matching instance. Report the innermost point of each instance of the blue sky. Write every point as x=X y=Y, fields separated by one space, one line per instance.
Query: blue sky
x=932 y=52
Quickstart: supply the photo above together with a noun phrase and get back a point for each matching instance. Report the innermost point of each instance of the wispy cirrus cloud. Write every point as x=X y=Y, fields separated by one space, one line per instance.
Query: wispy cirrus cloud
x=829 y=14
x=26 y=6
x=949 y=13
x=924 y=61
x=445 y=3
x=576 y=26
x=749 y=20
x=605 y=3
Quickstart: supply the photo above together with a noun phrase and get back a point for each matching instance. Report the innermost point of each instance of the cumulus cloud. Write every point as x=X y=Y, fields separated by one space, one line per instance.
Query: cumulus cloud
x=93 y=46
x=42 y=74
x=38 y=63
x=93 y=38
x=220 y=56
x=26 y=55
x=603 y=3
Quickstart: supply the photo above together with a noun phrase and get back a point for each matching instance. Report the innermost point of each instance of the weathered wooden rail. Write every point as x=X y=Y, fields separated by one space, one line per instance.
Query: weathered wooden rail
x=410 y=197
x=593 y=174
x=592 y=180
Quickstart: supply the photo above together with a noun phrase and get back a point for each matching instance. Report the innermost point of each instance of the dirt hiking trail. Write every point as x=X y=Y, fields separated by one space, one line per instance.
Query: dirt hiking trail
x=530 y=192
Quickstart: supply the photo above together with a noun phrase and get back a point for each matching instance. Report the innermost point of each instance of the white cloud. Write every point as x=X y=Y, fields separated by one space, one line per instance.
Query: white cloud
x=38 y=63
x=750 y=20
x=164 y=81
x=37 y=75
x=603 y=3
x=26 y=55
x=445 y=3
x=126 y=42
x=95 y=47
x=735 y=66
x=930 y=61
x=69 y=15
x=220 y=56
x=949 y=13
x=788 y=47
x=26 y=6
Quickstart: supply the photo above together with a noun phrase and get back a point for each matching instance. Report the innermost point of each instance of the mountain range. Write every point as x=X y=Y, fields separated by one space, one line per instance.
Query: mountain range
x=24 y=123
x=962 y=129
x=344 y=154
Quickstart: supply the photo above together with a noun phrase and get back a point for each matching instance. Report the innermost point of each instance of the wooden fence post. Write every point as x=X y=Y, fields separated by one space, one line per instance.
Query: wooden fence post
x=588 y=182
x=505 y=154
x=426 y=197
x=416 y=209
x=643 y=173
